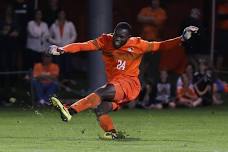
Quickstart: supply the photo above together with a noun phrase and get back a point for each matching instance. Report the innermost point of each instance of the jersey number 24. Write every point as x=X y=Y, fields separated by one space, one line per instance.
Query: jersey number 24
x=121 y=65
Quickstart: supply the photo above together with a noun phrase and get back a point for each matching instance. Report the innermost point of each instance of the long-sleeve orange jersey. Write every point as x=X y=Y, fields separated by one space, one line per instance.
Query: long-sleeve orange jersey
x=123 y=61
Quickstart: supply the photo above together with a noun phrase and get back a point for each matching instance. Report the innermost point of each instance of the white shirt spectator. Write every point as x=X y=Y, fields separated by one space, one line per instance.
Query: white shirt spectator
x=37 y=36
x=68 y=34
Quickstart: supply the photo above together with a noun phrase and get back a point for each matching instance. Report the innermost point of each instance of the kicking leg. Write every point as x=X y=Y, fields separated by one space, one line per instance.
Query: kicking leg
x=106 y=93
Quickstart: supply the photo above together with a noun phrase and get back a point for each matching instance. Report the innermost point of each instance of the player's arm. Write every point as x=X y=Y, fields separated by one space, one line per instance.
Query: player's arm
x=171 y=43
x=84 y=46
x=92 y=45
x=74 y=47
x=165 y=45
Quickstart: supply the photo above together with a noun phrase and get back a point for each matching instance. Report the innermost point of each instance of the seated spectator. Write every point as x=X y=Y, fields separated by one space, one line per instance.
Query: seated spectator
x=144 y=96
x=189 y=73
x=45 y=75
x=162 y=95
x=186 y=95
x=203 y=83
x=219 y=87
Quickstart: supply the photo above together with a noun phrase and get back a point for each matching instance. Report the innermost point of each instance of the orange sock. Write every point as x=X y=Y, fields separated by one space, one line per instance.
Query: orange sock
x=91 y=101
x=106 y=123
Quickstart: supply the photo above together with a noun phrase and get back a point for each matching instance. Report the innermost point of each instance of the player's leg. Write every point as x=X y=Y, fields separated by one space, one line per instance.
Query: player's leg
x=105 y=121
x=104 y=93
x=107 y=92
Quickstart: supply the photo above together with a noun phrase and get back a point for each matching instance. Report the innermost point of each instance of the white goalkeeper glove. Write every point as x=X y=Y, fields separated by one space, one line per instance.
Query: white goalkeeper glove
x=188 y=31
x=55 y=50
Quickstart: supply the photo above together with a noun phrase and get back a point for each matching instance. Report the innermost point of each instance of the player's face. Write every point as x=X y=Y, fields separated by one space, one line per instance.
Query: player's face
x=120 y=37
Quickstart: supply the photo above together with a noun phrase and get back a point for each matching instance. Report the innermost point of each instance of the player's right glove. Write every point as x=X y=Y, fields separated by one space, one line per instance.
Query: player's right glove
x=55 y=50
x=188 y=32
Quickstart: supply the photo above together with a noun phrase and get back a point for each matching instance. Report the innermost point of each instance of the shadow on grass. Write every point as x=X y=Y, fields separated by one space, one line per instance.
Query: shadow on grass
x=128 y=139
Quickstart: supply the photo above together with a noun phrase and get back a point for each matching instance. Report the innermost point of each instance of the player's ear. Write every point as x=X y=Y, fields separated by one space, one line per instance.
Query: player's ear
x=129 y=35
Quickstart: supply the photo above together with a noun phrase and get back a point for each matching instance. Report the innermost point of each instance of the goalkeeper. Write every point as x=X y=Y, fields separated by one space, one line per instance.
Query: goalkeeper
x=122 y=55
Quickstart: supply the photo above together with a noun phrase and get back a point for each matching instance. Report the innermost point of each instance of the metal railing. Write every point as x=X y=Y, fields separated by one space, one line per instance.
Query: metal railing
x=28 y=72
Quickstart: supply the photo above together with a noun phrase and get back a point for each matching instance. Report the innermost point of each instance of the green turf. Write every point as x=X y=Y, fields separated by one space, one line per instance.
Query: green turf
x=178 y=130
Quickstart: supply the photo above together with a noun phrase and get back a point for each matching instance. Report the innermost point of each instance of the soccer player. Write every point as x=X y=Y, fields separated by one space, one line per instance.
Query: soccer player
x=122 y=55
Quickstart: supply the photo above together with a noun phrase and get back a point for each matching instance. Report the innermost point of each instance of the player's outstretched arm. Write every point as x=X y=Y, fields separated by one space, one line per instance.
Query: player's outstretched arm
x=171 y=43
x=73 y=48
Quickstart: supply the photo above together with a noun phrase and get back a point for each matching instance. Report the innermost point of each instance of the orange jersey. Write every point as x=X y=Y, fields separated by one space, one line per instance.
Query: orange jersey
x=150 y=31
x=123 y=61
x=51 y=69
x=122 y=64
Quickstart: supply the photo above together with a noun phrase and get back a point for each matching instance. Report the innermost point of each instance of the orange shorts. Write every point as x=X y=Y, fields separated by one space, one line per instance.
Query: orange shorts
x=127 y=89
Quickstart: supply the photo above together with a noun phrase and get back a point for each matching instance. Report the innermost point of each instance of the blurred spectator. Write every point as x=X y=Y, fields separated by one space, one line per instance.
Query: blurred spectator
x=144 y=96
x=63 y=32
x=51 y=12
x=186 y=95
x=22 y=11
x=8 y=39
x=189 y=73
x=219 y=87
x=37 y=39
x=203 y=83
x=174 y=60
x=196 y=47
x=162 y=94
x=45 y=76
x=222 y=32
x=152 y=19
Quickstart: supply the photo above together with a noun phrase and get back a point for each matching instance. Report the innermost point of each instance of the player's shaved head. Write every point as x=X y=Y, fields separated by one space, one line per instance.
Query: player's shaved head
x=122 y=33
x=123 y=25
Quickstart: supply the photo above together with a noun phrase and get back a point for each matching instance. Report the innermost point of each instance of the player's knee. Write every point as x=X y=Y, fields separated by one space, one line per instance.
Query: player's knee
x=103 y=108
x=106 y=92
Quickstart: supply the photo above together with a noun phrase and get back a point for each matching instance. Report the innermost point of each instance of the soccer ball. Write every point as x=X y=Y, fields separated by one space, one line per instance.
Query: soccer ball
x=12 y=100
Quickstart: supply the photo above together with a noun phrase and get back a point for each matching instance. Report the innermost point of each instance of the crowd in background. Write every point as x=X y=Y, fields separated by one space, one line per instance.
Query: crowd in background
x=197 y=83
x=25 y=34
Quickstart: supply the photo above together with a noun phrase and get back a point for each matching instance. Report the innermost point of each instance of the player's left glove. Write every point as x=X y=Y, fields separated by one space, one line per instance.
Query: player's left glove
x=55 y=50
x=188 y=32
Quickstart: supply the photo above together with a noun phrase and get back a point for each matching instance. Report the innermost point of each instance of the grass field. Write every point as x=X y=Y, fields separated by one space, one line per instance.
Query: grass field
x=178 y=130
